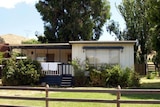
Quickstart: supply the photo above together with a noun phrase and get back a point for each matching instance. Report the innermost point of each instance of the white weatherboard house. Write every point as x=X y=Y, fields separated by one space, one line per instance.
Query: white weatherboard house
x=104 y=52
x=54 y=57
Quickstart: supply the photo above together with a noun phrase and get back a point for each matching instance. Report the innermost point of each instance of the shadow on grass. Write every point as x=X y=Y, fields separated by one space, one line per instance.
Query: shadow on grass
x=149 y=85
x=142 y=96
x=154 y=85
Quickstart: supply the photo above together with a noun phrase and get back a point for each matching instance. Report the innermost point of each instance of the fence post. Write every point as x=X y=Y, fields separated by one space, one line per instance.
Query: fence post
x=118 y=96
x=46 y=89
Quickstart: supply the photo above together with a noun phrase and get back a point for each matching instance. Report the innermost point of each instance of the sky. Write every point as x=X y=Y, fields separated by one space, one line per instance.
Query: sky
x=20 y=17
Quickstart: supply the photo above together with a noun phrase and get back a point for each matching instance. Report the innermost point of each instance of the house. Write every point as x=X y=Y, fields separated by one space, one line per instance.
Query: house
x=54 y=57
x=109 y=52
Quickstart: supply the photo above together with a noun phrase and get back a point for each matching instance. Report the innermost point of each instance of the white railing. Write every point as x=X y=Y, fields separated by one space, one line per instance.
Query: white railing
x=56 y=68
x=50 y=68
x=65 y=69
x=50 y=72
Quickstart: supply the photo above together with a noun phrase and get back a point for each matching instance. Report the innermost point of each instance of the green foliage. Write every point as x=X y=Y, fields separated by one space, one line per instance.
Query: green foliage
x=104 y=75
x=123 y=77
x=97 y=78
x=66 y=20
x=156 y=59
x=21 y=72
x=154 y=18
x=114 y=76
x=1 y=57
x=113 y=28
x=79 y=73
x=138 y=27
x=31 y=41
x=150 y=75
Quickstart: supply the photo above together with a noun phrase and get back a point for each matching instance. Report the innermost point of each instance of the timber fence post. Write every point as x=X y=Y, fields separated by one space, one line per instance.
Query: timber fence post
x=118 y=95
x=46 y=90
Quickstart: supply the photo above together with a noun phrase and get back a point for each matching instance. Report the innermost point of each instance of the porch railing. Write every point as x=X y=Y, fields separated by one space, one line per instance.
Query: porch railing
x=56 y=68
x=65 y=69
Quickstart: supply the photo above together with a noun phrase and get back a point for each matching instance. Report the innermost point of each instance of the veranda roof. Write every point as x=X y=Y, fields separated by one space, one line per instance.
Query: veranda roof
x=41 y=46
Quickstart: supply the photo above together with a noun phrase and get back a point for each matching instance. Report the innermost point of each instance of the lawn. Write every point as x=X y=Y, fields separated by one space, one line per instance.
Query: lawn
x=144 y=84
x=150 y=83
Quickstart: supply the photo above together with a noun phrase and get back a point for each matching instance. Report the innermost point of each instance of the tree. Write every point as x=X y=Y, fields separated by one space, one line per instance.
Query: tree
x=113 y=28
x=154 y=18
x=138 y=27
x=66 y=20
x=31 y=41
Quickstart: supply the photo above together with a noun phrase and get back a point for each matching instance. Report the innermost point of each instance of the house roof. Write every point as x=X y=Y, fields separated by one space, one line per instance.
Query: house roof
x=42 y=46
x=65 y=45
x=102 y=42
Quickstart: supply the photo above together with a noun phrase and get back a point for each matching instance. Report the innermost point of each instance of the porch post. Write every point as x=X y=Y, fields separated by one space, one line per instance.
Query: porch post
x=59 y=55
x=47 y=56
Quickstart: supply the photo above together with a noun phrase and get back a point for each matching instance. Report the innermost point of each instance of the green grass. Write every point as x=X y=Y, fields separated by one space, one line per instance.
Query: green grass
x=145 y=83
x=150 y=83
x=74 y=95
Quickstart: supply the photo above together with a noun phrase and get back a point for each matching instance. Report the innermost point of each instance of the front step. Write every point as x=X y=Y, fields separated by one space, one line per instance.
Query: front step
x=66 y=81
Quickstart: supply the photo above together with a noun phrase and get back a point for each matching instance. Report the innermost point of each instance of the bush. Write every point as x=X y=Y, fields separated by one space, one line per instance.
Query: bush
x=96 y=78
x=114 y=76
x=150 y=75
x=104 y=75
x=21 y=72
x=123 y=77
x=79 y=74
x=135 y=80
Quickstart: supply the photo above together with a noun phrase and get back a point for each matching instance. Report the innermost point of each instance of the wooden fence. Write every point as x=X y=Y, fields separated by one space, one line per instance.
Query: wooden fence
x=117 y=91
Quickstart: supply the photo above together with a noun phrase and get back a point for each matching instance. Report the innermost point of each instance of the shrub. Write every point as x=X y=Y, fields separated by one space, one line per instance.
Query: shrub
x=104 y=75
x=123 y=77
x=21 y=72
x=113 y=77
x=135 y=80
x=150 y=75
x=79 y=74
x=96 y=78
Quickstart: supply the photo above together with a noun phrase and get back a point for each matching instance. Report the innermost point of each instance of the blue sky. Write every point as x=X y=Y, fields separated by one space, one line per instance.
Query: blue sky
x=20 y=17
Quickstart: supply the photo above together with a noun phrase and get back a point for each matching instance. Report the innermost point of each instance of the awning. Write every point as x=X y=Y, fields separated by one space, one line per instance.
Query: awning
x=103 y=47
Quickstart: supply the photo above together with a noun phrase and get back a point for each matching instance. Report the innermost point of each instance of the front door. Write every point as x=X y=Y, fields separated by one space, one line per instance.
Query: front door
x=50 y=57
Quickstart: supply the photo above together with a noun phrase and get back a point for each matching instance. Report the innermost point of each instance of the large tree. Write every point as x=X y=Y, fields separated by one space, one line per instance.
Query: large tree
x=66 y=20
x=138 y=27
x=154 y=18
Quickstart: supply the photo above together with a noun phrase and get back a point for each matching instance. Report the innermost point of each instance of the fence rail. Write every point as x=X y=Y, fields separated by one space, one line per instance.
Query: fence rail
x=117 y=91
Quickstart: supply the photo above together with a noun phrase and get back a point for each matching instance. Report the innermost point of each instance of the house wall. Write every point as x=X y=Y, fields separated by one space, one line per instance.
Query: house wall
x=126 y=55
x=60 y=55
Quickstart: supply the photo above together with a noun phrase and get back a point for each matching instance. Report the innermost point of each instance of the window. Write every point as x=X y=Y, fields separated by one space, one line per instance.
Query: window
x=101 y=56
x=91 y=56
x=41 y=57
x=114 y=56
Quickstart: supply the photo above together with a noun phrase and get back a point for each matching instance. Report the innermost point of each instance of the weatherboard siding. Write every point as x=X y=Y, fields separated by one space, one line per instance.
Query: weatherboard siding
x=126 y=54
